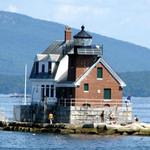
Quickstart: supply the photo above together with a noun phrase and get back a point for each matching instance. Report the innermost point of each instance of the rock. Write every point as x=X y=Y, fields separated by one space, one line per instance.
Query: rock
x=27 y=129
x=111 y=129
x=49 y=126
x=71 y=126
x=124 y=133
x=144 y=131
x=88 y=126
x=19 y=128
x=23 y=129
x=60 y=125
x=77 y=131
x=67 y=131
x=136 y=133
x=36 y=125
x=101 y=128
x=12 y=128
x=57 y=130
x=89 y=130
x=129 y=129
x=52 y=130
x=145 y=125
x=6 y=128
x=31 y=129
x=45 y=125
x=44 y=130
x=15 y=128
x=12 y=124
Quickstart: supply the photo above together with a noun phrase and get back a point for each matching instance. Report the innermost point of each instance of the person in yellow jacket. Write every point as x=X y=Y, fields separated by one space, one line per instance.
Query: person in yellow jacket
x=50 y=117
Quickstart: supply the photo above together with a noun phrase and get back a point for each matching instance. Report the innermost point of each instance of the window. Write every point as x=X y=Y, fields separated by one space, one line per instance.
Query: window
x=42 y=92
x=36 y=67
x=99 y=72
x=43 y=68
x=107 y=93
x=49 y=67
x=86 y=87
x=47 y=90
x=70 y=92
x=52 y=90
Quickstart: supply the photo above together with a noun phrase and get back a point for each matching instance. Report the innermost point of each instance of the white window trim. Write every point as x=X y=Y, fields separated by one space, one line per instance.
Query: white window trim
x=107 y=100
x=88 y=88
x=99 y=78
x=86 y=91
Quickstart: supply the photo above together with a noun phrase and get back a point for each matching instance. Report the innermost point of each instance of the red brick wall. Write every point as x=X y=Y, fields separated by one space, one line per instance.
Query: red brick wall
x=83 y=63
x=94 y=85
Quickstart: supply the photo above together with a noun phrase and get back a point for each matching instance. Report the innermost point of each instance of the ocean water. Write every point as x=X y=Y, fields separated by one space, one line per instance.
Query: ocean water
x=21 y=140
x=16 y=140
x=141 y=108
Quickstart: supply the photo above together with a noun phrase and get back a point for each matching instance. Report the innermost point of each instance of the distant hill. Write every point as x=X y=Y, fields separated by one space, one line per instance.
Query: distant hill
x=21 y=37
x=137 y=83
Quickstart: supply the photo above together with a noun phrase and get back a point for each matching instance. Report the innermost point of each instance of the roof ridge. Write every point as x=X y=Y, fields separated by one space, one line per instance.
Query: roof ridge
x=83 y=73
x=82 y=76
x=114 y=74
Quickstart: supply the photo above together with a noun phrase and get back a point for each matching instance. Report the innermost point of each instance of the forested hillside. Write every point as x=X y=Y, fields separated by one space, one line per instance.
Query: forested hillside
x=137 y=83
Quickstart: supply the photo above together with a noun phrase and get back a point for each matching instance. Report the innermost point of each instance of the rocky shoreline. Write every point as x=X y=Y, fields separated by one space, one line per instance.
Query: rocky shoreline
x=59 y=128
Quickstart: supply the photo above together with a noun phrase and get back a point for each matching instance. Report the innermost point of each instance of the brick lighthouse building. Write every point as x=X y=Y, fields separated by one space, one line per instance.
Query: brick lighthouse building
x=91 y=86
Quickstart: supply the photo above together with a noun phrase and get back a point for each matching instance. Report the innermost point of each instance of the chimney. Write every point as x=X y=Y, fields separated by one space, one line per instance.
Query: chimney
x=67 y=33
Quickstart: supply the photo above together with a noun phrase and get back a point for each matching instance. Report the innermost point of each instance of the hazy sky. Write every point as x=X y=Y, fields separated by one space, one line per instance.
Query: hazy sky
x=127 y=20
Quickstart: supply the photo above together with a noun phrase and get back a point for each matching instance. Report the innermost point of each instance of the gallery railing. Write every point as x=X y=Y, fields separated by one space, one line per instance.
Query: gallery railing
x=93 y=102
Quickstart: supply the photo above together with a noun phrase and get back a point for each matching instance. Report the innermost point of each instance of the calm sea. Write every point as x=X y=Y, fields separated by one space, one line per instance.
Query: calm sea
x=21 y=140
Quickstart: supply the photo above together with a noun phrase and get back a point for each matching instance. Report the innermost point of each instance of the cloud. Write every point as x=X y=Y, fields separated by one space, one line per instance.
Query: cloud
x=12 y=8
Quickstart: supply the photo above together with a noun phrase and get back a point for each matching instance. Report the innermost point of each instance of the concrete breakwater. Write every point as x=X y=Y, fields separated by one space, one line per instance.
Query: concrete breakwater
x=101 y=129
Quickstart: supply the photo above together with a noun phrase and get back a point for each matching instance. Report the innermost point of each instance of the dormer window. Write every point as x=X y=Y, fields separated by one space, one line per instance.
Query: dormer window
x=36 y=67
x=49 y=67
x=47 y=90
x=43 y=68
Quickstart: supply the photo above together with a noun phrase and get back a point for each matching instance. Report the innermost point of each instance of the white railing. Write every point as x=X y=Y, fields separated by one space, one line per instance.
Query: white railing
x=92 y=102
x=88 y=51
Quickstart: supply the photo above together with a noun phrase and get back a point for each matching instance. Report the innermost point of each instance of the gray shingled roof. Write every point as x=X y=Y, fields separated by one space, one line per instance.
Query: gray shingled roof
x=59 y=47
x=100 y=60
x=54 y=48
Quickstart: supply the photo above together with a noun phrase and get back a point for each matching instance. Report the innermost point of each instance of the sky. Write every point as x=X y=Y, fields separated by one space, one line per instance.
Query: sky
x=127 y=20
